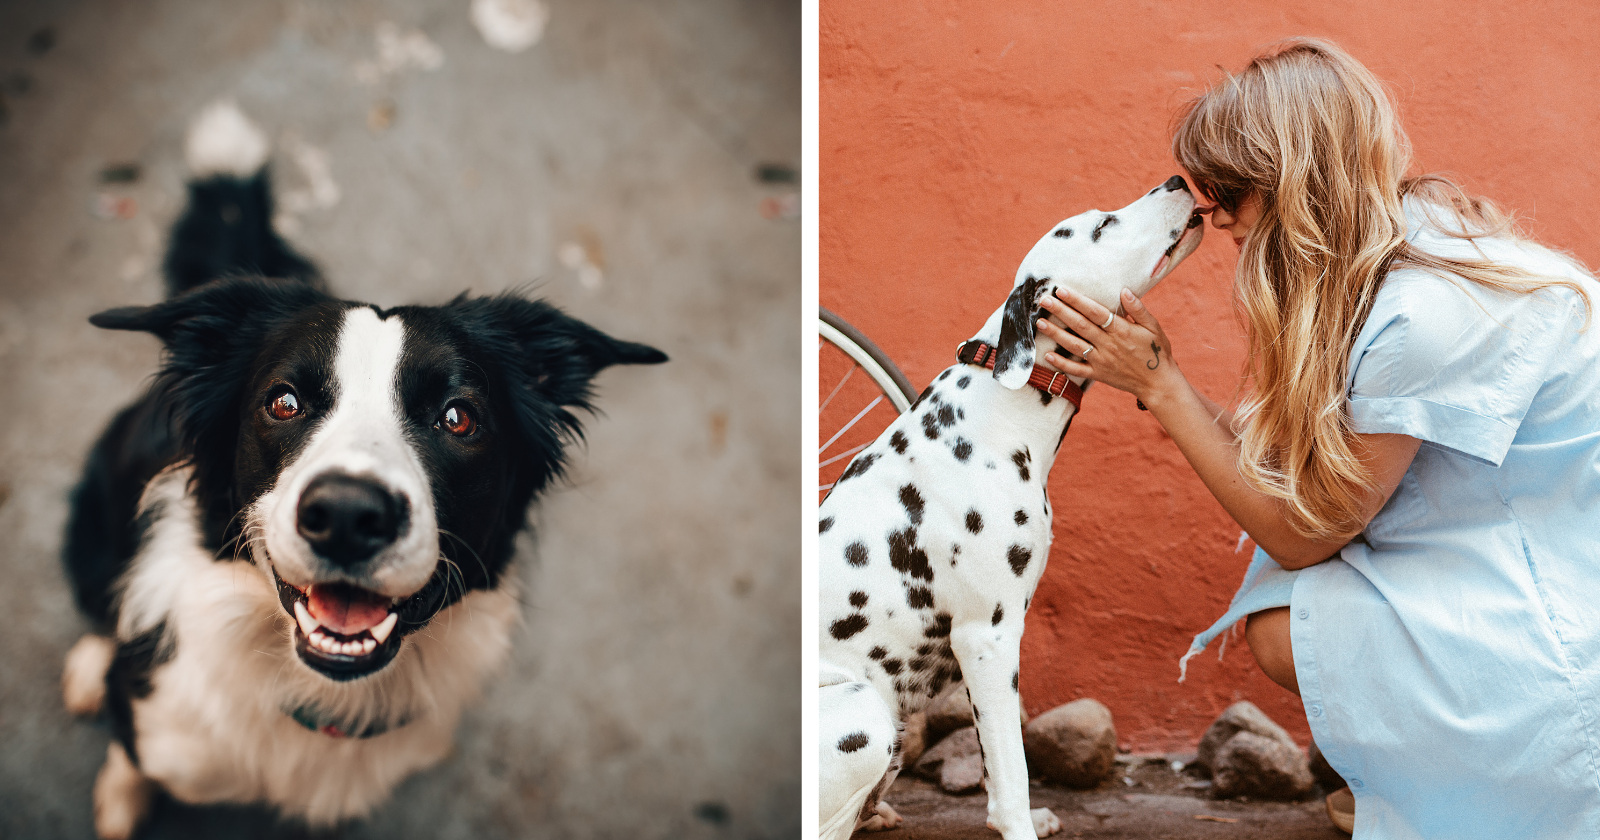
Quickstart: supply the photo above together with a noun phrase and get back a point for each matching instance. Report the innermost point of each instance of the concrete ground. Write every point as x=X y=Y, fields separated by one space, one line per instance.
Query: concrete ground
x=615 y=167
x=1145 y=800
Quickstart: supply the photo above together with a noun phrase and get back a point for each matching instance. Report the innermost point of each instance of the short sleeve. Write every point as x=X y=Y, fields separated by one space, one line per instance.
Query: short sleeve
x=1453 y=363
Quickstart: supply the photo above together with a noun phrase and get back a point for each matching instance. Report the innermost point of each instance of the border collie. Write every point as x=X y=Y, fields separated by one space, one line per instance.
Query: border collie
x=297 y=545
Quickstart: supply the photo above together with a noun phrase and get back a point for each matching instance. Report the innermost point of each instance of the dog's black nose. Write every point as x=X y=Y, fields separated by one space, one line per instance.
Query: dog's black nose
x=347 y=520
x=1176 y=182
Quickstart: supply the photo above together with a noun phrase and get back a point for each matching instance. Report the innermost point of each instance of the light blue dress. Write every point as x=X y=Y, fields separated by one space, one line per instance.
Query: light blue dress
x=1450 y=662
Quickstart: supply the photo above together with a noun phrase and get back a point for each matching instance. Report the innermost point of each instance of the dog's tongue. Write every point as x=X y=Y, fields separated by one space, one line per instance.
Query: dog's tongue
x=344 y=609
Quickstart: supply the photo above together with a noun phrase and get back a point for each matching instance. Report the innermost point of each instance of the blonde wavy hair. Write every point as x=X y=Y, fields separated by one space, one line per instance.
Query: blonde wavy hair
x=1312 y=134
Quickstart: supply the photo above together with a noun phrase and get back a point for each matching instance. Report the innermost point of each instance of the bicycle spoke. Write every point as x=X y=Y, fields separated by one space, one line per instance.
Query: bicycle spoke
x=844 y=454
x=849 y=373
x=855 y=420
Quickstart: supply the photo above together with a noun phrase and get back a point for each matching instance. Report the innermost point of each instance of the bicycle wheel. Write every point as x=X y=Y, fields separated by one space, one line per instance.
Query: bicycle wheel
x=861 y=392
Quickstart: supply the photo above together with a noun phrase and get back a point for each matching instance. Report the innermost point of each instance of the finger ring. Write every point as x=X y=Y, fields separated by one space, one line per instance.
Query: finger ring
x=1087 y=351
x=1110 y=316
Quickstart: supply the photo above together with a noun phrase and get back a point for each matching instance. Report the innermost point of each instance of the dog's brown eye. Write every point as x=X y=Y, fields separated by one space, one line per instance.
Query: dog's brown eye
x=457 y=420
x=283 y=405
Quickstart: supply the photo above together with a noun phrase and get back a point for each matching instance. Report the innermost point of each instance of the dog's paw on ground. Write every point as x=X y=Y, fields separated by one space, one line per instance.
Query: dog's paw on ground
x=1044 y=822
x=884 y=820
x=83 y=680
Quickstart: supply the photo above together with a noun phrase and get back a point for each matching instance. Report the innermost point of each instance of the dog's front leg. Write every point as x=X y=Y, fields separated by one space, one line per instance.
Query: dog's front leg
x=989 y=658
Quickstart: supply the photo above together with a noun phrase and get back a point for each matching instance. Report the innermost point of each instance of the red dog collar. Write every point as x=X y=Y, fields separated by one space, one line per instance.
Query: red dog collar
x=1049 y=381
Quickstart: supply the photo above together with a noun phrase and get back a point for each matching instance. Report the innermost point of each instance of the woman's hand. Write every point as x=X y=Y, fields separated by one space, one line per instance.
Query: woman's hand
x=1130 y=354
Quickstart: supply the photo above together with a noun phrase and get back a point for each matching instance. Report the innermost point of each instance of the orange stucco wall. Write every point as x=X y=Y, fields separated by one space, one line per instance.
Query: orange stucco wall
x=953 y=134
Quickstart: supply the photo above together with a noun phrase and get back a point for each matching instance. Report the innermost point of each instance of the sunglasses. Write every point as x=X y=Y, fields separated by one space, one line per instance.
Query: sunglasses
x=1227 y=199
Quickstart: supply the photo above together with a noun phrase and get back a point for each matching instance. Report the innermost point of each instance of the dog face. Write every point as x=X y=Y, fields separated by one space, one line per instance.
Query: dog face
x=376 y=464
x=1097 y=254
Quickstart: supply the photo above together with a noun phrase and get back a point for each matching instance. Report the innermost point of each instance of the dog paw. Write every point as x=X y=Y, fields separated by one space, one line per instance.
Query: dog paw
x=1044 y=822
x=121 y=796
x=884 y=820
x=83 y=680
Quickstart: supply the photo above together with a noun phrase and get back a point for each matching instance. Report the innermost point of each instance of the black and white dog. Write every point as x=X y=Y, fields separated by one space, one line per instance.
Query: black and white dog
x=297 y=545
x=935 y=536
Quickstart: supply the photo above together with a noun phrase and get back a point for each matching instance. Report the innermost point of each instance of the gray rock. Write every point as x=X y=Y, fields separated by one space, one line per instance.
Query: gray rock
x=1258 y=766
x=956 y=745
x=1240 y=717
x=962 y=774
x=913 y=739
x=1074 y=744
x=948 y=712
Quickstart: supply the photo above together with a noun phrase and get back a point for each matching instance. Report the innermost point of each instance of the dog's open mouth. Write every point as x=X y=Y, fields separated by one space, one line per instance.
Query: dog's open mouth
x=342 y=631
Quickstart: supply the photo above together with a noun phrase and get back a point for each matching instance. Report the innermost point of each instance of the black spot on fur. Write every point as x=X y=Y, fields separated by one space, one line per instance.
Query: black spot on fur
x=911 y=500
x=920 y=397
x=999 y=615
x=1013 y=680
x=962 y=450
x=824 y=525
x=906 y=557
x=1063 y=233
x=856 y=554
x=1021 y=458
x=854 y=741
x=1018 y=557
x=963 y=382
x=974 y=522
x=898 y=442
x=858 y=599
x=919 y=597
x=1108 y=221
x=859 y=466
x=944 y=376
x=893 y=666
x=848 y=626
x=1021 y=516
x=877 y=653
x=940 y=628
x=1027 y=602
x=930 y=426
x=1045 y=398
x=947 y=415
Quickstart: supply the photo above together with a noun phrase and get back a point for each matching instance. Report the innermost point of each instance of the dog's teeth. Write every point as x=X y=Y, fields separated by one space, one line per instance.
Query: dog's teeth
x=384 y=628
x=316 y=638
x=308 y=625
x=368 y=645
x=350 y=648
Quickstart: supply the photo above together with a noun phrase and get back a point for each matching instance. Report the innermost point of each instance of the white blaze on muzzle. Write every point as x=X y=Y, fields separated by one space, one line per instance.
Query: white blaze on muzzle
x=364 y=439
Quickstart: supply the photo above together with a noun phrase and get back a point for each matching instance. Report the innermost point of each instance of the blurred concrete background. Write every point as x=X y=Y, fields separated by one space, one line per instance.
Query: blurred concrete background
x=633 y=166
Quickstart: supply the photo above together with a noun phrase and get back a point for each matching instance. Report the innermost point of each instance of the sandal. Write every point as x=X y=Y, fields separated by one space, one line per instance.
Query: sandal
x=1342 y=810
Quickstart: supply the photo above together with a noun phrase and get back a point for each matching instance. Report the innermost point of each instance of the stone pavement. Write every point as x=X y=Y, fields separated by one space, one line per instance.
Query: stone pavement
x=1145 y=800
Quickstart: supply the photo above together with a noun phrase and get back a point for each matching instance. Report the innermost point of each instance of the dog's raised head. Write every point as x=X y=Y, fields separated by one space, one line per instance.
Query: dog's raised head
x=374 y=464
x=1097 y=254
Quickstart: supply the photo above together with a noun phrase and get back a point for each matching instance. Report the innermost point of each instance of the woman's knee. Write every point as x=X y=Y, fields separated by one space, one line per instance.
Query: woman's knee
x=1267 y=632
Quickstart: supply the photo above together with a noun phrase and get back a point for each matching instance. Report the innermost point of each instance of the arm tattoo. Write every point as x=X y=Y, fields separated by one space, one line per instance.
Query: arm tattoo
x=1155 y=361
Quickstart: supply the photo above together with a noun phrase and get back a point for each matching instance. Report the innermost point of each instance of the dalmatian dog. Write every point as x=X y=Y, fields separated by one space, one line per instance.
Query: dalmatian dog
x=935 y=536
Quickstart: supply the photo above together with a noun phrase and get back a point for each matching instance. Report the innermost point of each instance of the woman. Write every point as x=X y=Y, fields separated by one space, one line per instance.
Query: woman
x=1418 y=457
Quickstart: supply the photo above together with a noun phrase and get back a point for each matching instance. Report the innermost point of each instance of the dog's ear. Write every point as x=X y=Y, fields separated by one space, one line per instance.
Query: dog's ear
x=549 y=360
x=1014 y=357
x=213 y=335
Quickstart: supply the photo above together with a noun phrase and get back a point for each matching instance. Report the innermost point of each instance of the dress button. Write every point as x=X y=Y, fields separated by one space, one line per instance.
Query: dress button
x=1305 y=613
x=1355 y=783
x=1316 y=711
